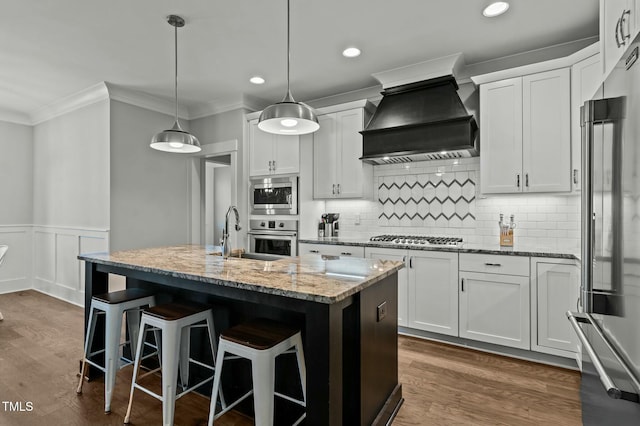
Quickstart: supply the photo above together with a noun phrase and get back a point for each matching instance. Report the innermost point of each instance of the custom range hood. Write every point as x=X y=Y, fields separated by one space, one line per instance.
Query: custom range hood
x=417 y=121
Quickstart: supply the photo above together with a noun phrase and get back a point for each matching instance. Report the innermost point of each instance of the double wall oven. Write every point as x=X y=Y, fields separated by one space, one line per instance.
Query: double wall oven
x=274 y=222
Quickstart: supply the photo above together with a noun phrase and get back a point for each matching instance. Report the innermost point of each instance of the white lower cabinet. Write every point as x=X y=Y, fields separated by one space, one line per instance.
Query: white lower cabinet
x=330 y=249
x=433 y=291
x=403 y=278
x=494 y=307
x=554 y=291
x=427 y=288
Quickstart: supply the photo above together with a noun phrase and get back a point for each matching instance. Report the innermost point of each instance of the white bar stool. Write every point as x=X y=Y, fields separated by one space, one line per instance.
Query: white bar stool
x=175 y=321
x=113 y=306
x=260 y=341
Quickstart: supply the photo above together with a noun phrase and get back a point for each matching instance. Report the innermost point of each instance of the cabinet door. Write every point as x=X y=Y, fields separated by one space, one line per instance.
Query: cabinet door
x=399 y=255
x=350 y=168
x=495 y=309
x=260 y=150
x=610 y=38
x=546 y=135
x=324 y=157
x=501 y=136
x=555 y=292
x=286 y=154
x=586 y=77
x=433 y=292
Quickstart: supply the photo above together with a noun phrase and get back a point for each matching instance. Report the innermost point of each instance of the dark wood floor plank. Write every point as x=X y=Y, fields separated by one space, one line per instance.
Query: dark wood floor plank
x=41 y=343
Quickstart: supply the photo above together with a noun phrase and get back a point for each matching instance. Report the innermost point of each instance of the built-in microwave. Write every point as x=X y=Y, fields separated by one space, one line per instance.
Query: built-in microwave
x=274 y=195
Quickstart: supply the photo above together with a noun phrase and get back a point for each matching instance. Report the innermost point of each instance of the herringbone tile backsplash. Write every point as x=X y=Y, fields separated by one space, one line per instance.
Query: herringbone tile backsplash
x=428 y=199
x=441 y=198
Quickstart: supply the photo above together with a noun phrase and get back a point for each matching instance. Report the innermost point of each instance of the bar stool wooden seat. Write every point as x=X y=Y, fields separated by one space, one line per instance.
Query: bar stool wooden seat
x=175 y=322
x=113 y=306
x=260 y=341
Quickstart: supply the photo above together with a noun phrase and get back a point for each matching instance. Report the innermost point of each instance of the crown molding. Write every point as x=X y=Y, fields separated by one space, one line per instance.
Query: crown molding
x=446 y=65
x=90 y=95
x=146 y=101
x=223 y=105
x=15 y=117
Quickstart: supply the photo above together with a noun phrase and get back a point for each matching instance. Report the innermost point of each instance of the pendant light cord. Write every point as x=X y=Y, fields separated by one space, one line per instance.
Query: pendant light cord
x=288 y=97
x=175 y=44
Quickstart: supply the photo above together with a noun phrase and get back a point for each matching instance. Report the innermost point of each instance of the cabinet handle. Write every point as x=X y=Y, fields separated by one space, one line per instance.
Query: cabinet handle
x=618 y=30
x=410 y=261
x=274 y=165
x=270 y=169
x=462 y=283
x=493 y=264
x=526 y=180
x=404 y=259
x=518 y=180
x=623 y=20
x=333 y=191
x=314 y=251
x=346 y=253
x=575 y=176
x=338 y=186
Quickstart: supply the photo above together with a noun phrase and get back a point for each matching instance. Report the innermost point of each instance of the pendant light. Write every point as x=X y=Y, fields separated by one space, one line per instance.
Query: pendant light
x=175 y=139
x=288 y=117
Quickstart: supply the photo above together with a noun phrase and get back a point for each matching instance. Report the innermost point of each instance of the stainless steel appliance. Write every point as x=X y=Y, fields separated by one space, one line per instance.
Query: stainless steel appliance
x=276 y=195
x=417 y=240
x=277 y=237
x=608 y=325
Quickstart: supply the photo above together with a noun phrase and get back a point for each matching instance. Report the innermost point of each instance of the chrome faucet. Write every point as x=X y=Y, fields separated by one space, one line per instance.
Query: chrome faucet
x=226 y=250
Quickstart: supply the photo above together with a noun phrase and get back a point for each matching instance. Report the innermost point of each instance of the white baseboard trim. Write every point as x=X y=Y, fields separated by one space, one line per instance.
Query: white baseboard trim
x=14 y=285
x=59 y=292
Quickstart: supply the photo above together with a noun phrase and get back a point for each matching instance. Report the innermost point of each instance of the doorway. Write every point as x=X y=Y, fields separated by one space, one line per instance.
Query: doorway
x=217 y=196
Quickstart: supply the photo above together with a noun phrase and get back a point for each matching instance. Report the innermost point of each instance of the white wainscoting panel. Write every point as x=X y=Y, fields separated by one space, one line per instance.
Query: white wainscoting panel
x=58 y=272
x=15 y=272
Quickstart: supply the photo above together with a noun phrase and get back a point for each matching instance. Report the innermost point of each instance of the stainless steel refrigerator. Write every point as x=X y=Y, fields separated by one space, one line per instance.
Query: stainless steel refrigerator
x=608 y=325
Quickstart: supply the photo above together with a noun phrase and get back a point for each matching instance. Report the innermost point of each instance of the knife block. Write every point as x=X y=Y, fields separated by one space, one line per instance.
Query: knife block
x=506 y=239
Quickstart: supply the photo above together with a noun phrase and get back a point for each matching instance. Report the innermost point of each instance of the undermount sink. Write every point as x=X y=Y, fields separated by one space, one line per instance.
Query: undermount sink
x=261 y=256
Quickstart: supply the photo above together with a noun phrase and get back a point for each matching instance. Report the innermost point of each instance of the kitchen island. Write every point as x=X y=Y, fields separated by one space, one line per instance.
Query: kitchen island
x=345 y=307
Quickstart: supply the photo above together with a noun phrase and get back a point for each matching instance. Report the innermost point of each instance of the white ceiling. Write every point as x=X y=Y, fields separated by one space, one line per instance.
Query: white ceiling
x=52 y=49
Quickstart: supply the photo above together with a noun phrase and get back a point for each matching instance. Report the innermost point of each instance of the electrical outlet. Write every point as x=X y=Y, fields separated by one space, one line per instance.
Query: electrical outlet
x=382 y=311
x=357 y=220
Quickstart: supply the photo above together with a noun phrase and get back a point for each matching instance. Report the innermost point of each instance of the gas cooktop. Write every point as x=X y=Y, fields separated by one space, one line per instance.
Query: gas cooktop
x=418 y=240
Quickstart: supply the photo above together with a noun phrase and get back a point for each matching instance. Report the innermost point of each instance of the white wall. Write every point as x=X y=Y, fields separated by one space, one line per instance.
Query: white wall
x=222 y=128
x=71 y=169
x=150 y=193
x=70 y=197
x=16 y=214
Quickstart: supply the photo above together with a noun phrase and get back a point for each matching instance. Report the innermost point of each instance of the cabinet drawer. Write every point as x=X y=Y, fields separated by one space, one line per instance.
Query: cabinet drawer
x=331 y=249
x=495 y=264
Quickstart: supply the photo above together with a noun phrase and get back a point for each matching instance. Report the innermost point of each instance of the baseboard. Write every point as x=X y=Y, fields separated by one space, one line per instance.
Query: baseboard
x=65 y=294
x=13 y=285
x=554 y=360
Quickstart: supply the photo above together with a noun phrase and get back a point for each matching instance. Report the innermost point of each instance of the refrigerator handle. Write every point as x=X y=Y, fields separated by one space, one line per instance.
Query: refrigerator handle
x=612 y=390
x=586 y=198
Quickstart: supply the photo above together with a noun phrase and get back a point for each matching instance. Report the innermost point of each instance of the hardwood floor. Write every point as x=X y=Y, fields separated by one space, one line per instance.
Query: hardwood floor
x=41 y=343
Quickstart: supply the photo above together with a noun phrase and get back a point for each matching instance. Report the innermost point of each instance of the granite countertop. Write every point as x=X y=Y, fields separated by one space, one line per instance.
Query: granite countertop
x=517 y=250
x=310 y=277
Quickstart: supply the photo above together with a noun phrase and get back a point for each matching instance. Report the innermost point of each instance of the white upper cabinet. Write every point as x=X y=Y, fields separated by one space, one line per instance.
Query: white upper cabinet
x=271 y=154
x=501 y=136
x=618 y=26
x=586 y=77
x=338 y=171
x=525 y=133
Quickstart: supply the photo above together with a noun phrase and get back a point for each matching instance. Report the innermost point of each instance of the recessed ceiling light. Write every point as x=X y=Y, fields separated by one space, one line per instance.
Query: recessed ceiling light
x=495 y=9
x=257 y=80
x=351 y=52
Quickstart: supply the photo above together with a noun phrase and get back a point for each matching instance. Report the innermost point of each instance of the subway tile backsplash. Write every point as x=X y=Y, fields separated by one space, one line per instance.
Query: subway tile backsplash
x=442 y=198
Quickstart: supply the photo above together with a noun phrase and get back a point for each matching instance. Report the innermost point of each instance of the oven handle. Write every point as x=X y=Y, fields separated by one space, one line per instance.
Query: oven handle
x=274 y=233
x=271 y=185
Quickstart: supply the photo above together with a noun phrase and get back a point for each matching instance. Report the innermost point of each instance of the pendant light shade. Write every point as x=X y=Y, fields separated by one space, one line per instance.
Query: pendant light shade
x=175 y=139
x=288 y=117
